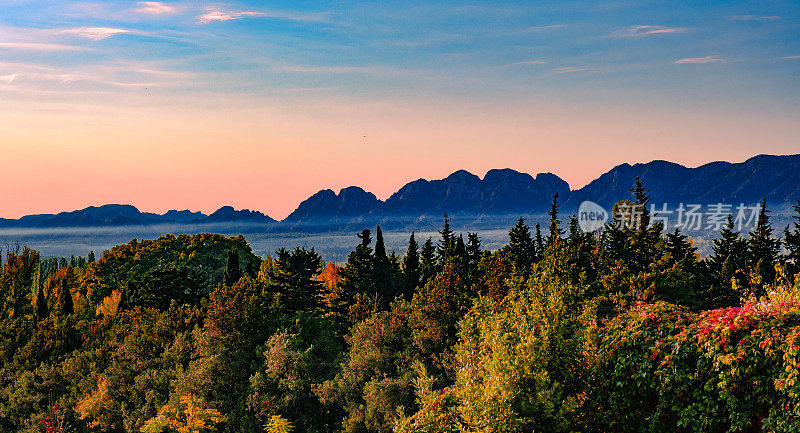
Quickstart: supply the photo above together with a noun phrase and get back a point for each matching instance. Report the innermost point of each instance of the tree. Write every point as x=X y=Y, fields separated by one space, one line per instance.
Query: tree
x=473 y=250
x=554 y=238
x=791 y=240
x=357 y=274
x=232 y=271
x=521 y=248
x=41 y=304
x=385 y=284
x=447 y=243
x=294 y=276
x=411 y=268
x=427 y=263
x=539 y=242
x=191 y=415
x=728 y=261
x=763 y=249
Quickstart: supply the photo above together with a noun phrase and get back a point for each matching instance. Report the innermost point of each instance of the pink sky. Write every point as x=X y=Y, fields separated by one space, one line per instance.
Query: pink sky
x=158 y=156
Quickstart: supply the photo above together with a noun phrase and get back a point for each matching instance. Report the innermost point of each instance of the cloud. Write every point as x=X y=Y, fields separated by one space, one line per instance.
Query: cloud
x=647 y=30
x=528 y=62
x=8 y=78
x=754 y=18
x=155 y=8
x=212 y=15
x=35 y=46
x=536 y=29
x=568 y=69
x=791 y=57
x=215 y=14
x=95 y=33
x=706 y=59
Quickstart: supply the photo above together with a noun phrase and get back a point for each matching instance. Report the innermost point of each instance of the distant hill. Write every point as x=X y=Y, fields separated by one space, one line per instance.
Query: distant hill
x=124 y=215
x=500 y=196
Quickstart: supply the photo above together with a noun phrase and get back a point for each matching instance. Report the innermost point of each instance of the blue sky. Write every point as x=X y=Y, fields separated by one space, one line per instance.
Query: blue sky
x=317 y=76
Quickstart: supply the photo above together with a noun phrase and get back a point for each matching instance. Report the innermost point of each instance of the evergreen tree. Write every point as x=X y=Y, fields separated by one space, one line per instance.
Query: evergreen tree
x=555 y=230
x=727 y=261
x=539 y=243
x=411 y=268
x=357 y=274
x=91 y=257
x=460 y=249
x=385 y=286
x=521 y=248
x=41 y=304
x=295 y=278
x=681 y=250
x=232 y=271
x=473 y=250
x=447 y=243
x=427 y=265
x=792 y=241
x=763 y=249
x=641 y=200
x=67 y=306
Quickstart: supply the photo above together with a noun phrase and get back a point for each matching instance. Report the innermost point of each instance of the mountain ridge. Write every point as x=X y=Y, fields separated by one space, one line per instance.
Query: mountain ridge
x=501 y=192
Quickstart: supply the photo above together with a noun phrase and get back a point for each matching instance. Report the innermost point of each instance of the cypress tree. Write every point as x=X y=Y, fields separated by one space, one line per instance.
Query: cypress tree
x=41 y=304
x=232 y=271
x=67 y=306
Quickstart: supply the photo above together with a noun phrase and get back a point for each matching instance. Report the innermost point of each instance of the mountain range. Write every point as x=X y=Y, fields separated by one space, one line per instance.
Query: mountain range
x=501 y=195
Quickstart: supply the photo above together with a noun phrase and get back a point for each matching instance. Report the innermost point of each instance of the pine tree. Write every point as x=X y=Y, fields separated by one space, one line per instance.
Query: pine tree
x=554 y=238
x=460 y=249
x=91 y=257
x=521 y=248
x=447 y=243
x=763 y=249
x=427 y=265
x=642 y=199
x=539 y=243
x=357 y=274
x=385 y=286
x=792 y=241
x=681 y=250
x=411 y=268
x=232 y=271
x=473 y=250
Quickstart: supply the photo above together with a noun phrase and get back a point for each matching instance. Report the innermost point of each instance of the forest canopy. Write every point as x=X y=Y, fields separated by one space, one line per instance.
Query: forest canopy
x=625 y=329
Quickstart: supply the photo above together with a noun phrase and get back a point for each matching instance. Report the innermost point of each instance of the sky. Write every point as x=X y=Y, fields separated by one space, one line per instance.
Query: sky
x=196 y=105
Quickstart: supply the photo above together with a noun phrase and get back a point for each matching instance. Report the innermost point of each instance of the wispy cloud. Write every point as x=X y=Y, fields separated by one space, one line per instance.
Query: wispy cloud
x=155 y=8
x=36 y=46
x=220 y=15
x=706 y=59
x=215 y=14
x=569 y=69
x=754 y=18
x=791 y=57
x=536 y=29
x=647 y=30
x=528 y=62
x=95 y=33
x=8 y=78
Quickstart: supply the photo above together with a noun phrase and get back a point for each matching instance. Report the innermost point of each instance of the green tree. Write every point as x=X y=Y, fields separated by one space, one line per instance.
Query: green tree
x=763 y=251
x=411 y=268
x=521 y=248
x=232 y=271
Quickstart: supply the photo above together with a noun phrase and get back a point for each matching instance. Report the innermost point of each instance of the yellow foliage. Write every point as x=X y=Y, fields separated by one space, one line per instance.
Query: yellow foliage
x=190 y=416
x=110 y=304
x=278 y=424
x=97 y=407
